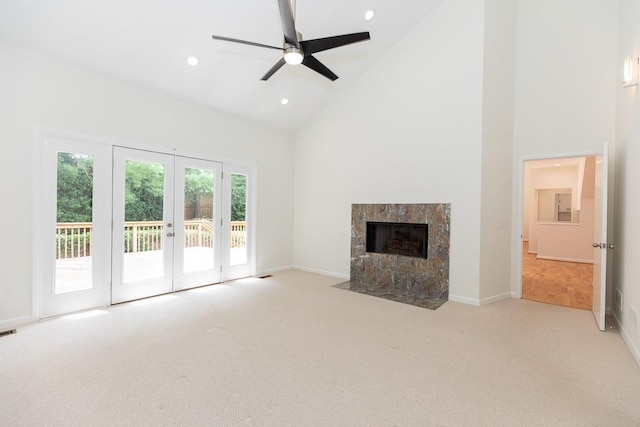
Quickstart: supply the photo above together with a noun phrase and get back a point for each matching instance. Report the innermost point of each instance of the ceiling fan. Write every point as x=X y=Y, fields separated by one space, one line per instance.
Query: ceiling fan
x=298 y=51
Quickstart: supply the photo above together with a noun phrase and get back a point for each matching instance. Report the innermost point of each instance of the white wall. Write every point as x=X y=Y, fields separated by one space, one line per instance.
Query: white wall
x=627 y=206
x=40 y=92
x=565 y=82
x=565 y=76
x=497 y=148
x=409 y=131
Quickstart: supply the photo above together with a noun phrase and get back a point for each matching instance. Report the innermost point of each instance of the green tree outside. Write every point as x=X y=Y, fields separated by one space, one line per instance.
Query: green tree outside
x=144 y=190
x=74 y=188
x=197 y=184
x=238 y=197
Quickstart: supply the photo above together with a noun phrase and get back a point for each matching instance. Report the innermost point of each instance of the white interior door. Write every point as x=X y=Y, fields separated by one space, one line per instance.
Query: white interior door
x=600 y=244
x=198 y=223
x=143 y=224
x=76 y=242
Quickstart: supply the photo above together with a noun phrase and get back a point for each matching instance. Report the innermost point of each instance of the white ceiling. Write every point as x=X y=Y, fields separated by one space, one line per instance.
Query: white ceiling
x=148 y=42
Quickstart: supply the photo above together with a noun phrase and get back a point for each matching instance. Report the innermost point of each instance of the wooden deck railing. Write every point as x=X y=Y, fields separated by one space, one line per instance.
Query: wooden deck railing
x=73 y=239
x=238 y=234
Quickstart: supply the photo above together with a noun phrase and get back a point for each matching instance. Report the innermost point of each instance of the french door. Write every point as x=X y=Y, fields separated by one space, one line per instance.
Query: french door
x=167 y=229
x=198 y=210
x=119 y=224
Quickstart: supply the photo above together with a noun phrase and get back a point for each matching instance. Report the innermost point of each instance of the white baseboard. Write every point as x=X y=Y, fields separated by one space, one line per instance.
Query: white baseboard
x=16 y=321
x=515 y=295
x=635 y=352
x=495 y=298
x=464 y=300
x=322 y=272
x=480 y=302
x=274 y=270
x=553 y=258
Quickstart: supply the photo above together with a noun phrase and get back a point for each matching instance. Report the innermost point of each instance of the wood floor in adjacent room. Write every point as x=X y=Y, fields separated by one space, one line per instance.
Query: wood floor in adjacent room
x=568 y=284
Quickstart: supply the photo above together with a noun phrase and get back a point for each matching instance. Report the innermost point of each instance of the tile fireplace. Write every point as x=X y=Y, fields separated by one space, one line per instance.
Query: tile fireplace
x=401 y=252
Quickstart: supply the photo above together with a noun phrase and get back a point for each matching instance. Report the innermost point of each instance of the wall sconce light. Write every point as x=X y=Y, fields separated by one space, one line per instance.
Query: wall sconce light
x=630 y=71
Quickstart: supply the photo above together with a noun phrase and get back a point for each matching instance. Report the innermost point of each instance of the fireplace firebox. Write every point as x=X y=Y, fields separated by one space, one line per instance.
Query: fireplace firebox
x=396 y=238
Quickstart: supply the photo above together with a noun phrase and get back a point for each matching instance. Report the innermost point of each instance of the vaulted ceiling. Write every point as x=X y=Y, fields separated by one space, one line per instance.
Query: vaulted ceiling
x=148 y=42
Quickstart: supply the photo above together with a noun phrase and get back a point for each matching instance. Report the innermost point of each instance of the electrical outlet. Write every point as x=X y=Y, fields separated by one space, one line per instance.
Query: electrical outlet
x=633 y=317
x=619 y=300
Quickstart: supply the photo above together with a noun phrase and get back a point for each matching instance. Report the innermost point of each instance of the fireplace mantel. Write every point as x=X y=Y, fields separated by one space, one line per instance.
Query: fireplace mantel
x=418 y=281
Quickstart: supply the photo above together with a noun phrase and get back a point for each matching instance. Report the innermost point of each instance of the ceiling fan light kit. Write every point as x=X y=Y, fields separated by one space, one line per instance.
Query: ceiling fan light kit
x=297 y=51
x=293 y=55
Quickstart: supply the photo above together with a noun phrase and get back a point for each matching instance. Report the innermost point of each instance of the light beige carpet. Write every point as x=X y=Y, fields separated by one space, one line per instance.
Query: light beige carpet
x=292 y=350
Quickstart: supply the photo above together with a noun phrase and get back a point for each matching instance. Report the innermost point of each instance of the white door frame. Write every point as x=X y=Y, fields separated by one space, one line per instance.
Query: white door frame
x=516 y=243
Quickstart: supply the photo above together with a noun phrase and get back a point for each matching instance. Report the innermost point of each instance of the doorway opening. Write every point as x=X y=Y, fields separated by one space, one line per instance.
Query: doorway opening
x=558 y=231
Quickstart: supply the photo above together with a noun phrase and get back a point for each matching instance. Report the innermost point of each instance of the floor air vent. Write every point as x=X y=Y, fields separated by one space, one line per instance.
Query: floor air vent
x=9 y=332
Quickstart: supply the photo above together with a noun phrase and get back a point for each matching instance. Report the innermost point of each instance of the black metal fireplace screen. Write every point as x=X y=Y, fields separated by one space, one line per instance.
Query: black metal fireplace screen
x=397 y=238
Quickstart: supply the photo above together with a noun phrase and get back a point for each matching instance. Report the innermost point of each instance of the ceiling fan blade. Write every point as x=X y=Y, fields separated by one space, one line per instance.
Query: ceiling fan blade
x=318 y=45
x=288 y=23
x=317 y=66
x=229 y=39
x=273 y=69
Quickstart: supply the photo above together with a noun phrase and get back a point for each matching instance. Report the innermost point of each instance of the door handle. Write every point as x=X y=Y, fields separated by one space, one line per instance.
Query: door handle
x=603 y=245
x=170 y=234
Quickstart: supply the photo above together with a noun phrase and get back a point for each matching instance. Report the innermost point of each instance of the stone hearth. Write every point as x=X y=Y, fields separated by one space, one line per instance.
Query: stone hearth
x=411 y=280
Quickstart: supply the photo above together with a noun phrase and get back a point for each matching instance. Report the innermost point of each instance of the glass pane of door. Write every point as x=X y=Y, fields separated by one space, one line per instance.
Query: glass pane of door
x=238 y=243
x=238 y=256
x=199 y=220
x=143 y=216
x=197 y=207
x=74 y=222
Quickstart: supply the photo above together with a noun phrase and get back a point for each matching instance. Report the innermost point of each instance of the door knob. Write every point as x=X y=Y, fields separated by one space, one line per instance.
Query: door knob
x=611 y=246
x=170 y=234
x=596 y=245
x=169 y=225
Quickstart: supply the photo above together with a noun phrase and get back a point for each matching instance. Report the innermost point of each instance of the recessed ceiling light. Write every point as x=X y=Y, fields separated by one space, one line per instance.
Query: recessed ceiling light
x=284 y=101
x=369 y=14
x=557 y=164
x=192 y=60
